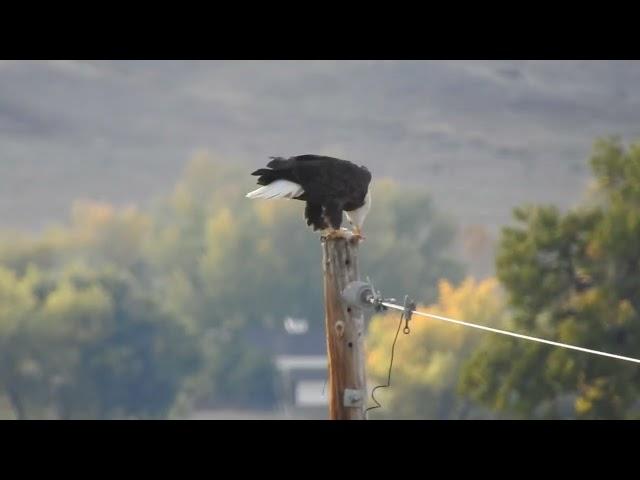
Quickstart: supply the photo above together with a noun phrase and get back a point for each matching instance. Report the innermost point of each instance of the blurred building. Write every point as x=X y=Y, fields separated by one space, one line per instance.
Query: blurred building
x=298 y=347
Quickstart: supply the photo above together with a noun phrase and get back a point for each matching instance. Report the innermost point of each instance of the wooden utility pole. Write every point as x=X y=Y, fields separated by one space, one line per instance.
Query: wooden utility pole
x=345 y=332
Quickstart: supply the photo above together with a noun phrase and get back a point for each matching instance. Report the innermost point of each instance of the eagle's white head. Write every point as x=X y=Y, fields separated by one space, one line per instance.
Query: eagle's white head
x=357 y=216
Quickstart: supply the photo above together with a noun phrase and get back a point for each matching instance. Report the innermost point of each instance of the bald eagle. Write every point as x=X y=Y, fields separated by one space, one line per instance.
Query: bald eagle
x=329 y=186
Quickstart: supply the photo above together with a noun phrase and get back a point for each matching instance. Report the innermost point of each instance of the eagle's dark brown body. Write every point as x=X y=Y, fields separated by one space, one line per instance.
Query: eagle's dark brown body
x=330 y=186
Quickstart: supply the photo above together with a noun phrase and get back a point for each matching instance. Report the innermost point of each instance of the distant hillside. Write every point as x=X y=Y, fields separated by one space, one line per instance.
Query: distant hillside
x=482 y=136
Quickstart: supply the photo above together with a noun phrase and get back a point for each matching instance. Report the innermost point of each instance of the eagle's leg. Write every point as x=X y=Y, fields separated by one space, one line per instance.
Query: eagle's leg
x=331 y=233
x=313 y=214
x=333 y=216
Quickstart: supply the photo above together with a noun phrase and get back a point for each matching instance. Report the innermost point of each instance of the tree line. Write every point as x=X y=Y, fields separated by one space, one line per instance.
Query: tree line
x=145 y=312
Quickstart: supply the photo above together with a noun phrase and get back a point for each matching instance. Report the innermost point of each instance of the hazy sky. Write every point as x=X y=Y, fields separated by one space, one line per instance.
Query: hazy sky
x=123 y=130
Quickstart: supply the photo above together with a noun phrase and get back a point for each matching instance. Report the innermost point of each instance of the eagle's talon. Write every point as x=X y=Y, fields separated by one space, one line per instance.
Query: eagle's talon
x=333 y=234
x=358 y=235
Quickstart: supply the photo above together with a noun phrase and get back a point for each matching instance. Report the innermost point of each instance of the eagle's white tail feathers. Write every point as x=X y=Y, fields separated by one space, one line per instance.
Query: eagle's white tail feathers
x=277 y=189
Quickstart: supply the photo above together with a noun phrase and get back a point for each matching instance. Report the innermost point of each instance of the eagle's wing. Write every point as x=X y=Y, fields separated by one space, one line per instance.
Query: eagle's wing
x=324 y=179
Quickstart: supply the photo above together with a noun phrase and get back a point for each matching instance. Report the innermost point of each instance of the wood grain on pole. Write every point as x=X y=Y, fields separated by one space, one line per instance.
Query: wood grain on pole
x=344 y=330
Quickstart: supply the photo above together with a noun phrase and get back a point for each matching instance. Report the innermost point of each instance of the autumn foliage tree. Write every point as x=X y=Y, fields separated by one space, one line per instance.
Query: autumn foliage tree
x=428 y=361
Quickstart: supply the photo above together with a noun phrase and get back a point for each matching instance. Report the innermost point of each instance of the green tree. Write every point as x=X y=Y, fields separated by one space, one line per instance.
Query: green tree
x=136 y=359
x=88 y=344
x=20 y=375
x=575 y=278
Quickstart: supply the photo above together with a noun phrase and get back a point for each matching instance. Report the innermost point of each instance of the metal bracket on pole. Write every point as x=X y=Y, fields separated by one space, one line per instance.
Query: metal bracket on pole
x=363 y=295
x=409 y=307
x=359 y=294
x=353 y=398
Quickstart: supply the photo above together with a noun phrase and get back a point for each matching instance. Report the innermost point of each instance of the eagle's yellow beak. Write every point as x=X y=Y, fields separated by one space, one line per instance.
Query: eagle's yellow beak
x=358 y=233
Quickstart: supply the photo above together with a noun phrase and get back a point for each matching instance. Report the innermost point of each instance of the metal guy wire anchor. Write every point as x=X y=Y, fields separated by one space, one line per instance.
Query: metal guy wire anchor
x=409 y=307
